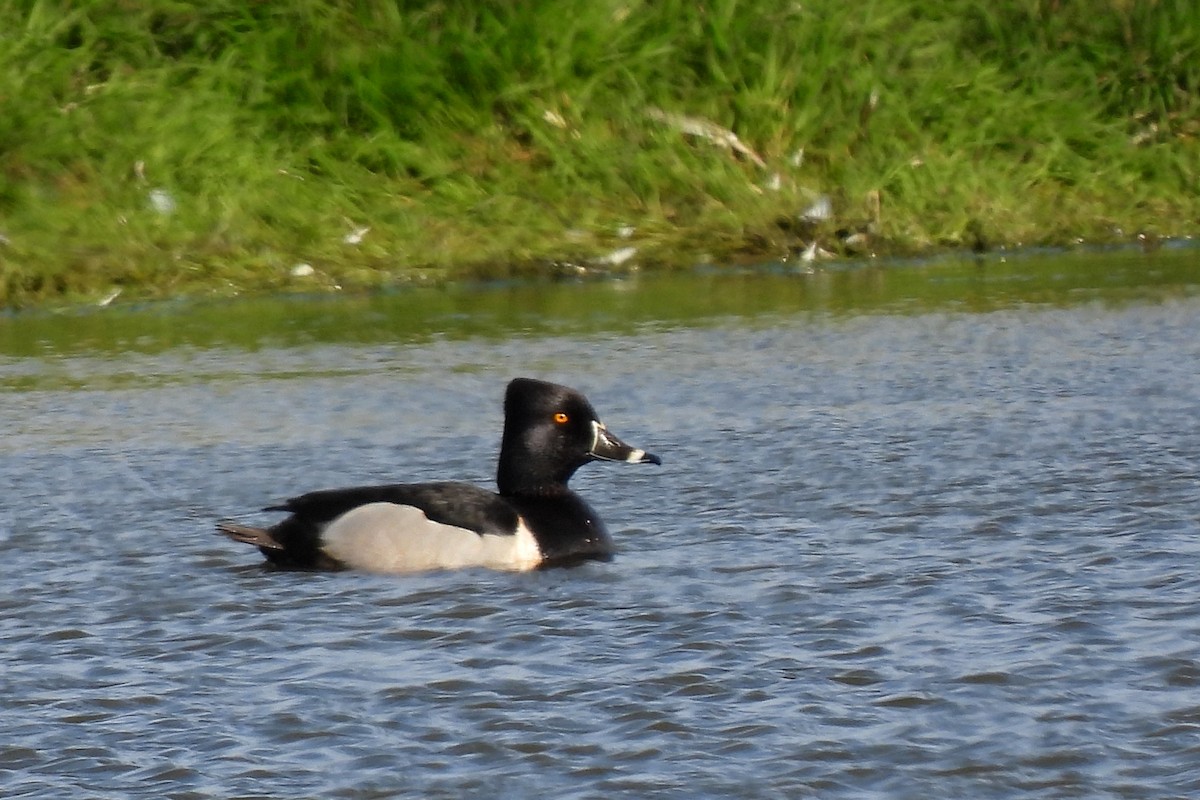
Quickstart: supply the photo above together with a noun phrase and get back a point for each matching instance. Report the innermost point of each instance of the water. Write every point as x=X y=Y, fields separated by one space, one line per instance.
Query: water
x=921 y=532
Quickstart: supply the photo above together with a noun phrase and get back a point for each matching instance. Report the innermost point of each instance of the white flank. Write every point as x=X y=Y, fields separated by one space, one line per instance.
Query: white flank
x=385 y=537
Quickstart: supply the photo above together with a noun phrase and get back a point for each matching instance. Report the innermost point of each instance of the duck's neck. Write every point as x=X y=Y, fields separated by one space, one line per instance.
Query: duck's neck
x=512 y=486
x=518 y=475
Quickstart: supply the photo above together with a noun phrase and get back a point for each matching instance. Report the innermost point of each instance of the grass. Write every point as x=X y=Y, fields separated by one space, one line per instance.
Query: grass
x=486 y=139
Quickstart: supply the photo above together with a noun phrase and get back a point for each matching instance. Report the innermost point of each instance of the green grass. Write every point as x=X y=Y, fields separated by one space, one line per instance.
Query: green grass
x=493 y=138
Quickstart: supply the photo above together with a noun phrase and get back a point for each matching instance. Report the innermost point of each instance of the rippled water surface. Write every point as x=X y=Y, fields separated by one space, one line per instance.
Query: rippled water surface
x=920 y=532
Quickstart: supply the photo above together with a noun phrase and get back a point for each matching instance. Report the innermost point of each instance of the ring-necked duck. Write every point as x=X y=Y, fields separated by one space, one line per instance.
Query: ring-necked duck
x=534 y=521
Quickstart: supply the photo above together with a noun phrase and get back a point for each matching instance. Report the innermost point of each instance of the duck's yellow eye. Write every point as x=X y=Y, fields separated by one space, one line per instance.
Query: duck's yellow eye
x=560 y=418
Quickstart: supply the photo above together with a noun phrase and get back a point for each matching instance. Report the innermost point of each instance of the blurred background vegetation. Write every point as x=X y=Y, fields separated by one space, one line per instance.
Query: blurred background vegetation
x=162 y=147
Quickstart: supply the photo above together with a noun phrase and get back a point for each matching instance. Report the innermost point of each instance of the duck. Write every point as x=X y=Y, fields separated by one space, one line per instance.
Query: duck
x=533 y=521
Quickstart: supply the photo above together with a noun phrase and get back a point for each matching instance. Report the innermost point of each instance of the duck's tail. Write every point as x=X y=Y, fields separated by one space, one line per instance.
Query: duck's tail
x=258 y=537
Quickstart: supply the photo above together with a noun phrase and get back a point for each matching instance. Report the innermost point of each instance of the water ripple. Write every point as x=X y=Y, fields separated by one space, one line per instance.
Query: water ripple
x=935 y=555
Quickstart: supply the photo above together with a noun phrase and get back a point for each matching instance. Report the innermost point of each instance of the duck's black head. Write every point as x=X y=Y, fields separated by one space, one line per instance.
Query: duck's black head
x=549 y=432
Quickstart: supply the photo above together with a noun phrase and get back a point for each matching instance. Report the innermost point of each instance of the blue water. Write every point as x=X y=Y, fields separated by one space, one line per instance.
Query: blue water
x=899 y=554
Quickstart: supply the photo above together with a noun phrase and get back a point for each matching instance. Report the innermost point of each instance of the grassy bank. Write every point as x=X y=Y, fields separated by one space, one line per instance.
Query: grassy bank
x=163 y=147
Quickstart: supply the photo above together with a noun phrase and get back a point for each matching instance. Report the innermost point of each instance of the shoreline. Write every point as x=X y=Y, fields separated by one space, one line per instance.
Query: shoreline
x=310 y=287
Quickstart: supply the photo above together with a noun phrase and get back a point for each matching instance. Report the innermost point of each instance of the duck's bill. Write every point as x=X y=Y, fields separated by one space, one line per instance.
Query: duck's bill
x=607 y=447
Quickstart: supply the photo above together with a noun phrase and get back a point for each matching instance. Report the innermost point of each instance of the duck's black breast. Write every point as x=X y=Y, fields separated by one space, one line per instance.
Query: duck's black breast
x=566 y=528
